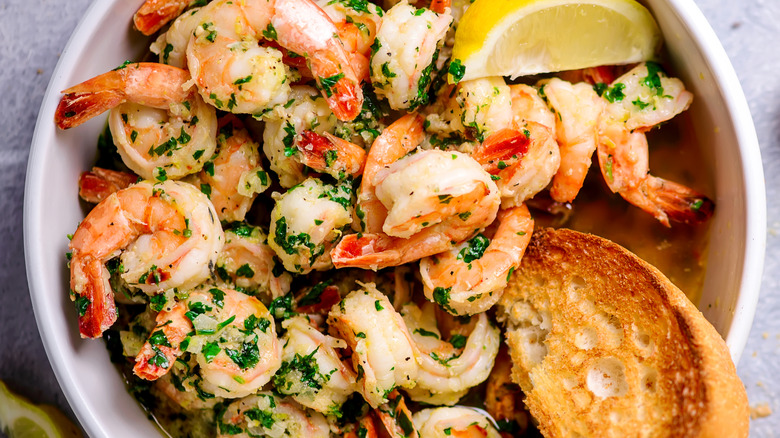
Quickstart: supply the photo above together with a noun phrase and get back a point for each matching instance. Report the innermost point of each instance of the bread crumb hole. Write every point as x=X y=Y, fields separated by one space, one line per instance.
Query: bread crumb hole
x=578 y=282
x=649 y=380
x=586 y=338
x=607 y=378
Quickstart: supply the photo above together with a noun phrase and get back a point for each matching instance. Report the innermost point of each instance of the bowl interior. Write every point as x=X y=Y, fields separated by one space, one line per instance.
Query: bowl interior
x=104 y=39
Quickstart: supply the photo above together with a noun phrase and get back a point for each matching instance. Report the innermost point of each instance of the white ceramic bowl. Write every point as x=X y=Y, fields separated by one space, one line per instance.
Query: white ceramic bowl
x=104 y=39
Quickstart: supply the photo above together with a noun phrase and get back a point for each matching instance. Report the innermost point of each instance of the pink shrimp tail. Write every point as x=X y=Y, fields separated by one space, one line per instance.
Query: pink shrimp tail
x=502 y=149
x=98 y=184
x=366 y=250
x=678 y=203
x=327 y=152
x=95 y=299
x=154 y=14
x=440 y=6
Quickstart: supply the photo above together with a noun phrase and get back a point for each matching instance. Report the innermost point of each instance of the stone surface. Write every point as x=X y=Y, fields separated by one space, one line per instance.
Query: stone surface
x=33 y=32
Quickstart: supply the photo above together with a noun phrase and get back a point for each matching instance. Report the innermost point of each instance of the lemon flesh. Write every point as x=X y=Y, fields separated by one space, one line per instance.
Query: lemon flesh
x=22 y=419
x=522 y=37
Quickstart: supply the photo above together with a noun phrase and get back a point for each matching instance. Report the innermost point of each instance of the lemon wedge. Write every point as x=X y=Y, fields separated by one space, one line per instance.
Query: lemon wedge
x=522 y=37
x=21 y=419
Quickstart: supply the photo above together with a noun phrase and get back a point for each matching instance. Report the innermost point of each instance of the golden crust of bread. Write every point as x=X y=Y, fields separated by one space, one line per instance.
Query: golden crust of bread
x=604 y=345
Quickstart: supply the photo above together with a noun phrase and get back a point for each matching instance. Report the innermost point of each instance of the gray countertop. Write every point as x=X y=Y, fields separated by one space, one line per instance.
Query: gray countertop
x=33 y=33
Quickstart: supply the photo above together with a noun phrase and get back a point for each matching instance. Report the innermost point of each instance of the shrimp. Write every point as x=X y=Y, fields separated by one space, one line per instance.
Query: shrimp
x=97 y=184
x=449 y=368
x=171 y=46
x=471 y=277
x=312 y=372
x=638 y=100
x=265 y=414
x=485 y=106
x=623 y=158
x=579 y=110
x=232 y=335
x=405 y=52
x=306 y=223
x=233 y=177
x=237 y=75
x=248 y=264
x=329 y=154
x=283 y=125
x=161 y=128
x=357 y=27
x=451 y=196
x=154 y=14
x=456 y=421
x=382 y=350
x=168 y=237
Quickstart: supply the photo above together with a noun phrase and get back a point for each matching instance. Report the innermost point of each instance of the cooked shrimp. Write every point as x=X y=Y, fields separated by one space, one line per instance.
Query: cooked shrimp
x=639 y=100
x=382 y=350
x=579 y=110
x=473 y=275
x=434 y=199
x=357 y=25
x=456 y=421
x=232 y=335
x=233 y=177
x=161 y=128
x=168 y=236
x=448 y=368
x=329 y=154
x=645 y=96
x=182 y=386
x=97 y=184
x=306 y=110
x=248 y=263
x=405 y=52
x=154 y=14
x=484 y=105
x=623 y=158
x=400 y=138
x=237 y=75
x=312 y=371
x=306 y=222
x=265 y=414
x=171 y=46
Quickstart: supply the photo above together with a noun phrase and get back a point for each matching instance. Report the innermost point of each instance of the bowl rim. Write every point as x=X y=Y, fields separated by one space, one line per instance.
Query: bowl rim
x=687 y=11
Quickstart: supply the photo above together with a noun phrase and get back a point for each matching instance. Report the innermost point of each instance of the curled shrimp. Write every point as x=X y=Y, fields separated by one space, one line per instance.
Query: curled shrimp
x=265 y=414
x=237 y=75
x=640 y=99
x=168 y=237
x=455 y=421
x=306 y=223
x=232 y=335
x=154 y=14
x=312 y=372
x=233 y=177
x=160 y=127
x=623 y=158
x=579 y=110
x=425 y=202
x=448 y=368
x=405 y=52
x=472 y=276
x=247 y=263
x=382 y=351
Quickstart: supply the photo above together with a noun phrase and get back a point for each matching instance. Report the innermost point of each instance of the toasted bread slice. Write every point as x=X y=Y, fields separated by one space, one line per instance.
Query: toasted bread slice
x=604 y=345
